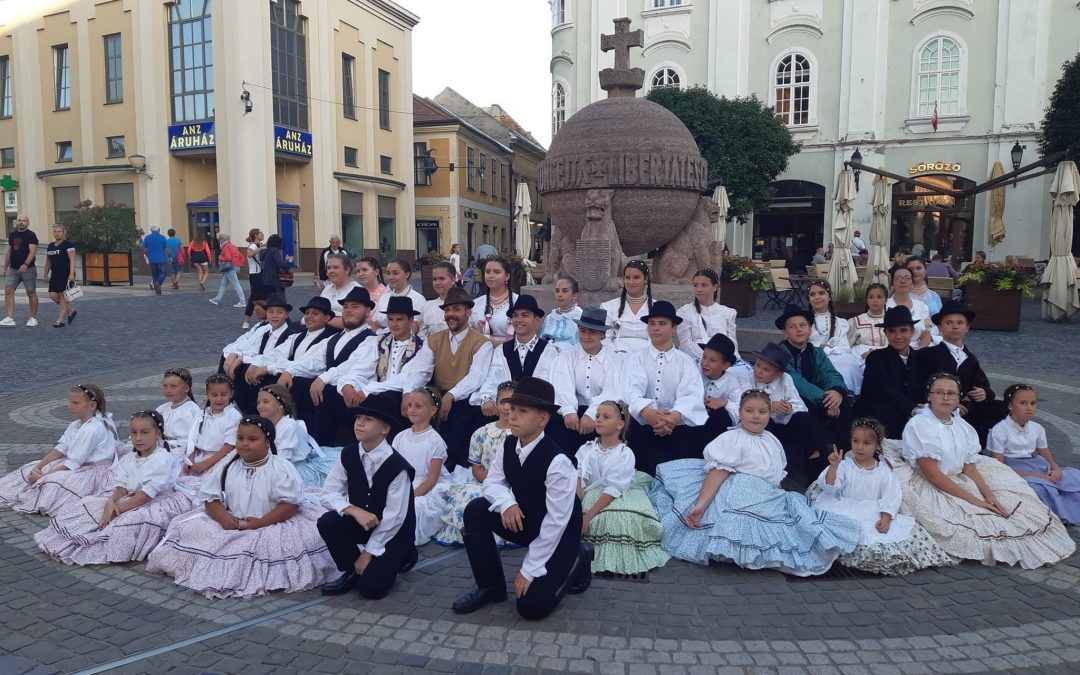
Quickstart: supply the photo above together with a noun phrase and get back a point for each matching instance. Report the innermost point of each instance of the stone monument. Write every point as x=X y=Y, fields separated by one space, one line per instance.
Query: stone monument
x=624 y=177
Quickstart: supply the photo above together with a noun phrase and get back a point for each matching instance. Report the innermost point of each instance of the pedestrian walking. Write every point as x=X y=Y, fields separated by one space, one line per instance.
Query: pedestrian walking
x=19 y=268
x=333 y=249
x=254 y=250
x=60 y=271
x=175 y=267
x=199 y=253
x=229 y=261
x=273 y=261
x=154 y=246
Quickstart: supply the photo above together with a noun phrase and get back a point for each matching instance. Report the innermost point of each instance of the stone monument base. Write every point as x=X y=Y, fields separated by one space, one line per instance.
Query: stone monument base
x=545 y=295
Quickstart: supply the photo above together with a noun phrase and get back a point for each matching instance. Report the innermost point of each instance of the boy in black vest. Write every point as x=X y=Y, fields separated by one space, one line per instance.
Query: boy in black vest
x=370 y=527
x=259 y=340
x=530 y=500
x=893 y=385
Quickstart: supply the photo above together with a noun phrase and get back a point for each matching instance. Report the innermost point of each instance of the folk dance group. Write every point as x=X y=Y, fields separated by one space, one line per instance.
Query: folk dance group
x=604 y=439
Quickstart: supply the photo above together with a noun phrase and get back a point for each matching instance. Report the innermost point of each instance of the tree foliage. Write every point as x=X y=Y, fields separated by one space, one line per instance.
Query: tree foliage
x=1061 y=125
x=741 y=139
x=102 y=229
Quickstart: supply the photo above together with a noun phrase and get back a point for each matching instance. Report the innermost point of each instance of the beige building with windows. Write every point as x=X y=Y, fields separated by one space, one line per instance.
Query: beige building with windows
x=292 y=117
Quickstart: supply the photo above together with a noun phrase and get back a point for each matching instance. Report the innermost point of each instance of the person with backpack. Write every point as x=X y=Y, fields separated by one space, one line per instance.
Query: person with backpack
x=229 y=261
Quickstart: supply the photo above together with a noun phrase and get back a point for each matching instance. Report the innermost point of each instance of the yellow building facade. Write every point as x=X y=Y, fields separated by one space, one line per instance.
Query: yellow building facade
x=291 y=117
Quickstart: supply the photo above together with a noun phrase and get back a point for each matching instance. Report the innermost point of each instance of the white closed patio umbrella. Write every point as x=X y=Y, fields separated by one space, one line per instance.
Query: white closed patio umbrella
x=877 y=267
x=842 y=273
x=1060 y=296
x=522 y=227
x=723 y=204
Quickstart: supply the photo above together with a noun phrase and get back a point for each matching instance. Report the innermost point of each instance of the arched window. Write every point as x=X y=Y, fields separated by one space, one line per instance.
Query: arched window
x=939 y=77
x=558 y=107
x=793 y=80
x=665 y=78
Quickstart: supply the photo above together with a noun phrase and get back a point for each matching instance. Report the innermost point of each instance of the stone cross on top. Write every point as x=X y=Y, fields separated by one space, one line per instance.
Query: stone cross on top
x=622 y=80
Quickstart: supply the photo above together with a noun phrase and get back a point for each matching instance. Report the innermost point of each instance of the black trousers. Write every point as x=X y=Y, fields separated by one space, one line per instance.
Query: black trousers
x=835 y=430
x=984 y=415
x=893 y=418
x=253 y=285
x=801 y=438
x=344 y=537
x=719 y=421
x=304 y=409
x=462 y=420
x=572 y=440
x=650 y=449
x=544 y=592
x=246 y=395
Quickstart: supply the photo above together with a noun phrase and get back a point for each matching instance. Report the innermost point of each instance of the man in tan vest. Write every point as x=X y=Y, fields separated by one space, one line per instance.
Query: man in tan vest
x=462 y=358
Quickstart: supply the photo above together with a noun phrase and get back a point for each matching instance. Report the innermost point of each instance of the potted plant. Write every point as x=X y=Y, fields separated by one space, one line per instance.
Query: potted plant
x=105 y=236
x=995 y=291
x=852 y=303
x=427 y=262
x=740 y=282
x=521 y=270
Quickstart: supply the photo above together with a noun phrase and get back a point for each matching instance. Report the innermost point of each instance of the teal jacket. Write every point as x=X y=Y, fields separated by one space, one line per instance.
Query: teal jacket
x=824 y=378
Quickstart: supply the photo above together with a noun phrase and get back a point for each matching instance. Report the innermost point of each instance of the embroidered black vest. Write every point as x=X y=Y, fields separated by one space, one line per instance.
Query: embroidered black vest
x=290 y=330
x=528 y=482
x=372 y=498
x=346 y=351
x=517 y=371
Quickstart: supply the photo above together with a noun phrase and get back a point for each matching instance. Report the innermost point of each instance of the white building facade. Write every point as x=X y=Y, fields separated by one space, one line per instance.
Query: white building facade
x=844 y=74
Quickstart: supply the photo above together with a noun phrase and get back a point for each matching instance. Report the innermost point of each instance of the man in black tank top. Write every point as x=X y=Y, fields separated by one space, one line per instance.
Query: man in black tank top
x=529 y=474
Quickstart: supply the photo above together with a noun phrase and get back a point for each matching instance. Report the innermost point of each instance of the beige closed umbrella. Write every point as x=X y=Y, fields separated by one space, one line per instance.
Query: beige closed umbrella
x=522 y=225
x=1060 y=294
x=877 y=267
x=995 y=233
x=723 y=205
x=842 y=273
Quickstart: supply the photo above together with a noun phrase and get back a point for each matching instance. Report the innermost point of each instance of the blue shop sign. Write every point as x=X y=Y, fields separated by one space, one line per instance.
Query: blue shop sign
x=194 y=136
x=292 y=141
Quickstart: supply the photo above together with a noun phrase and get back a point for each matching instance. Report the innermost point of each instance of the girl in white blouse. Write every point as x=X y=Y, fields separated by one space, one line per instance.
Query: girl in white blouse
x=214 y=435
x=705 y=317
x=398 y=273
x=489 y=315
x=975 y=507
x=127 y=523
x=559 y=326
x=863 y=331
x=77 y=467
x=628 y=333
x=255 y=534
x=423 y=448
x=431 y=312
x=830 y=333
x=293 y=442
x=618 y=518
x=180 y=411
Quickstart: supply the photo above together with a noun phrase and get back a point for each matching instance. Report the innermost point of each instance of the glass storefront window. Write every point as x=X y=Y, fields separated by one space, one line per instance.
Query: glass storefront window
x=387 y=229
x=191 y=61
x=352 y=222
x=924 y=221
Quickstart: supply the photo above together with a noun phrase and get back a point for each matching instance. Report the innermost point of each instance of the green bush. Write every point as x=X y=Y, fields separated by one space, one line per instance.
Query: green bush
x=102 y=229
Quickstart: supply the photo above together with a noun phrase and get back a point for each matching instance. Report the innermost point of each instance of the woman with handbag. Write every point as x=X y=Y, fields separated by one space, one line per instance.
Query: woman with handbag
x=60 y=271
x=229 y=261
x=254 y=252
x=276 y=275
x=199 y=254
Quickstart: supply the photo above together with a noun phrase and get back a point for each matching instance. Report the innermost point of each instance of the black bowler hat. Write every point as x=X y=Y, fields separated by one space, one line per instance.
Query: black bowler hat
x=358 y=294
x=381 y=408
x=897 y=316
x=320 y=303
x=776 y=355
x=526 y=302
x=593 y=318
x=400 y=304
x=278 y=300
x=953 y=307
x=662 y=309
x=793 y=310
x=723 y=344
x=533 y=392
x=457 y=296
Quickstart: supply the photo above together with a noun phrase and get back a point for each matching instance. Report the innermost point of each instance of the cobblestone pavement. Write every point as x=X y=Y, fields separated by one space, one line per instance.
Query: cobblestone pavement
x=683 y=619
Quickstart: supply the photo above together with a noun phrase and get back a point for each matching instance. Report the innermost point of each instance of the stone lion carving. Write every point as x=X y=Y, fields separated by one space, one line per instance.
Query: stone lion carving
x=691 y=249
x=595 y=257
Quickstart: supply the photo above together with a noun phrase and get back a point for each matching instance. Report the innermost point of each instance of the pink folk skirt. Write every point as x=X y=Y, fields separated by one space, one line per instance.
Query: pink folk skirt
x=55 y=490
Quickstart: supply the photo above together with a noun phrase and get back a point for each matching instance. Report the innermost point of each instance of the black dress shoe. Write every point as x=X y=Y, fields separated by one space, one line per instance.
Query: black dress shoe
x=343 y=584
x=410 y=561
x=586 y=553
x=477 y=598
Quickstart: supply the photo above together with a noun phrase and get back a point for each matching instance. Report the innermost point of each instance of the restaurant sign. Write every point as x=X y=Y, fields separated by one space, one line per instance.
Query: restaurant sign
x=934 y=167
x=292 y=141
x=197 y=136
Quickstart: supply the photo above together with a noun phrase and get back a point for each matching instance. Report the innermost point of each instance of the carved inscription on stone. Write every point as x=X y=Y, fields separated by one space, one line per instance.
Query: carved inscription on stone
x=624 y=169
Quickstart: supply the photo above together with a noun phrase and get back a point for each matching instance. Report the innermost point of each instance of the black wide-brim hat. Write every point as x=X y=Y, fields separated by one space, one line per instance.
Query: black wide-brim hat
x=790 y=311
x=721 y=343
x=526 y=302
x=320 y=303
x=358 y=294
x=776 y=355
x=593 y=318
x=382 y=409
x=662 y=309
x=533 y=392
x=278 y=300
x=953 y=307
x=400 y=304
x=457 y=296
x=897 y=316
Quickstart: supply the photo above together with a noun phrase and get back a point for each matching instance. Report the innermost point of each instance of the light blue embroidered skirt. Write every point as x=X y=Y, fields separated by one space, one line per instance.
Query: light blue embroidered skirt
x=315 y=467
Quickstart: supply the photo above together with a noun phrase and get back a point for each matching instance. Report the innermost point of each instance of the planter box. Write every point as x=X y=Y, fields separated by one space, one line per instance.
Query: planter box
x=994 y=309
x=740 y=297
x=106 y=269
x=848 y=310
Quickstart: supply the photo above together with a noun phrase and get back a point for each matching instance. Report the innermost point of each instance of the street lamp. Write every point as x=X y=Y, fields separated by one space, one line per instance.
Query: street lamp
x=138 y=163
x=856 y=157
x=1017 y=154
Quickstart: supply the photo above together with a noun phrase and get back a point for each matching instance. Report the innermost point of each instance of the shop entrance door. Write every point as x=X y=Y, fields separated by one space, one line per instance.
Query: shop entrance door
x=791 y=228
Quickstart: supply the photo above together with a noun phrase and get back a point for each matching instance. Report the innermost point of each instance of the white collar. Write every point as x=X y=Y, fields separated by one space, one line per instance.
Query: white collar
x=378 y=454
x=952 y=347
x=1015 y=425
x=530 y=345
x=523 y=451
x=656 y=353
x=275 y=331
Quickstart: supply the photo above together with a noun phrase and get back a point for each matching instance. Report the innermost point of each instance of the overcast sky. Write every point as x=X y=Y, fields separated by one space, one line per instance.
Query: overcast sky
x=490 y=51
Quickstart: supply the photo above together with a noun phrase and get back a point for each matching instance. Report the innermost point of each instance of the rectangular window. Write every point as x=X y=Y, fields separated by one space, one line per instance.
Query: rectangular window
x=191 y=61
x=348 y=90
x=558 y=13
x=387 y=228
x=385 y=164
x=288 y=62
x=482 y=172
x=116 y=147
x=470 y=168
x=121 y=194
x=384 y=100
x=351 y=155
x=502 y=182
x=422 y=162
x=61 y=78
x=494 y=177
x=5 y=86
x=63 y=151
x=114 y=70
x=7 y=158
x=65 y=201
x=352 y=221
x=666 y=3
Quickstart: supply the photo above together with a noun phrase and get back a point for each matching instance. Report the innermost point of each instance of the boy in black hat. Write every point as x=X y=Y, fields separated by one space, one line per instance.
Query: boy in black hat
x=723 y=386
x=237 y=346
x=591 y=368
x=789 y=419
x=978 y=403
x=370 y=526
x=529 y=499
x=313 y=379
x=278 y=329
x=892 y=382
x=664 y=394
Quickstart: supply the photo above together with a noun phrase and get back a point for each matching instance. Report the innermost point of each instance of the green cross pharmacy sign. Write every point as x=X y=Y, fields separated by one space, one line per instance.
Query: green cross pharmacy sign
x=11 y=200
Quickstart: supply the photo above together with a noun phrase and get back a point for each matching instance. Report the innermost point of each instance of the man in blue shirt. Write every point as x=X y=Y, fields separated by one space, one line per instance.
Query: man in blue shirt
x=174 y=267
x=155 y=245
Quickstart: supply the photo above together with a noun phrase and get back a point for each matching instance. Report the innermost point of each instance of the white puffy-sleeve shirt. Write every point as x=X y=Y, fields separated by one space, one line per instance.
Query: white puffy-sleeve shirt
x=953 y=443
x=628 y=333
x=879 y=485
x=292 y=439
x=253 y=491
x=740 y=451
x=419 y=449
x=155 y=474
x=729 y=387
x=559 y=327
x=594 y=376
x=179 y=420
x=495 y=324
x=335 y=294
x=839 y=343
x=780 y=389
x=211 y=432
x=864 y=335
x=432 y=318
x=610 y=468
x=698 y=327
x=1015 y=441
x=668 y=380
x=87 y=442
